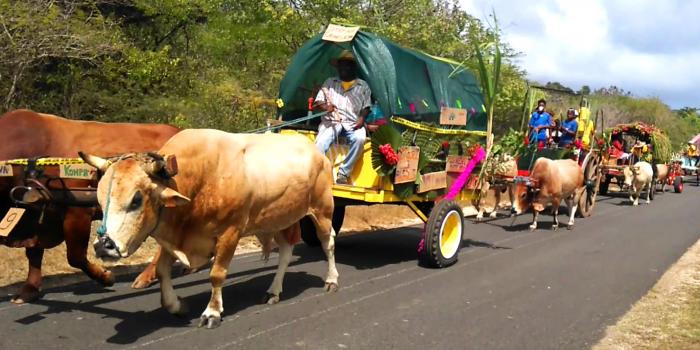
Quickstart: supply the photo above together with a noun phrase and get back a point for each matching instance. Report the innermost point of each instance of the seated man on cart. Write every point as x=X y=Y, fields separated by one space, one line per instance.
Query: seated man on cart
x=346 y=98
x=568 y=128
x=540 y=123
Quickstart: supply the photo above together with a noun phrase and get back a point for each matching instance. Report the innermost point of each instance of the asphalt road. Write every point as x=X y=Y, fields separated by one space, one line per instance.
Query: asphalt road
x=511 y=289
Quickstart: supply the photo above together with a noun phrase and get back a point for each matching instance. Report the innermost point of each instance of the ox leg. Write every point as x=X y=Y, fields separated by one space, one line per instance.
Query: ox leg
x=76 y=228
x=148 y=276
x=572 y=204
x=555 y=214
x=168 y=299
x=649 y=189
x=285 y=256
x=511 y=194
x=497 y=192
x=225 y=247
x=634 y=194
x=535 y=214
x=31 y=290
x=482 y=201
x=326 y=234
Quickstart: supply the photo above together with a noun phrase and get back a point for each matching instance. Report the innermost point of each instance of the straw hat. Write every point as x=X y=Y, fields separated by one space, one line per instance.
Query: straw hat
x=344 y=56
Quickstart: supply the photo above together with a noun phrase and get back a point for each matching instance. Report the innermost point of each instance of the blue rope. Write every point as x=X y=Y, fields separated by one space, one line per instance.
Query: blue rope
x=288 y=123
x=102 y=230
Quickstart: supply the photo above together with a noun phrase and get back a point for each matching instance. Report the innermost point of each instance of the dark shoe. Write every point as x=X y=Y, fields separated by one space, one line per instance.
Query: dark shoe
x=342 y=179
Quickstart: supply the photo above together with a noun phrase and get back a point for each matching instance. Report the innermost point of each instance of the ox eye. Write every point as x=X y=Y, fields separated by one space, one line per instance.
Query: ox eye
x=136 y=201
x=522 y=195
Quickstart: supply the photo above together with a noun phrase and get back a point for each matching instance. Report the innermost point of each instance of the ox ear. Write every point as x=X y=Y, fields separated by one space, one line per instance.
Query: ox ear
x=100 y=163
x=172 y=198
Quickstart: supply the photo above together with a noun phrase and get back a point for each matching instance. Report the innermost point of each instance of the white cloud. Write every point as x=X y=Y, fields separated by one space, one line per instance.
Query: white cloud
x=647 y=47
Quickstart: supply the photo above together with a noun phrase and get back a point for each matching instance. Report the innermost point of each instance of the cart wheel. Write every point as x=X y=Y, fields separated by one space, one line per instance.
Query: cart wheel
x=678 y=185
x=308 y=229
x=443 y=235
x=591 y=175
x=652 y=194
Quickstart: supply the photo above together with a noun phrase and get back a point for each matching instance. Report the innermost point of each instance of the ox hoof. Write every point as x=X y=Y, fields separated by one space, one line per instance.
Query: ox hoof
x=107 y=279
x=532 y=228
x=180 y=309
x=493 y=215
x=570 y=227
x=142 y=283
x=331 y=287
x=270 y=299
x=209 y=322
x=555 y=227
x=28 y=294
x=479 y=218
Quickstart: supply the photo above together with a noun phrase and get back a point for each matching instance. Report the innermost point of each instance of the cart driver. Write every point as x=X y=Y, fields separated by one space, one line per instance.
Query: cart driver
x=346 y=98
x=540 y=122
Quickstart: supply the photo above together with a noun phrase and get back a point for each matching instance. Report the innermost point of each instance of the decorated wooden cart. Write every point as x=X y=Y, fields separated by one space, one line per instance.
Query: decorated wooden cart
x=630 y=143
x=425 y=152
x=585 y=149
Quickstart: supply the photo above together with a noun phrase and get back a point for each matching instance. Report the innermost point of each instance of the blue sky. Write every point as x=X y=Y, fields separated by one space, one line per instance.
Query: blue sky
x=651 y=48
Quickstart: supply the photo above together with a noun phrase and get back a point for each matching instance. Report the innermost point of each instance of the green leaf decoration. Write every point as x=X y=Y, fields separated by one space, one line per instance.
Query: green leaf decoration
x=385 y=134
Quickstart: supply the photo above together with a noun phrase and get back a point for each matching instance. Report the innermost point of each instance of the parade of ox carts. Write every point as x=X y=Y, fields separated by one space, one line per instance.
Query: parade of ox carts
x=422 y=140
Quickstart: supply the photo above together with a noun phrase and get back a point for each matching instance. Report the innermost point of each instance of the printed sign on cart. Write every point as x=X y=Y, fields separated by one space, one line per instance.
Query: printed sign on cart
x=456 y=164
x=5 y=170
x=432 y=181
x=407 y=167
x=77 y=171
x=453 y=116
x=10 y=220
x=339 y=34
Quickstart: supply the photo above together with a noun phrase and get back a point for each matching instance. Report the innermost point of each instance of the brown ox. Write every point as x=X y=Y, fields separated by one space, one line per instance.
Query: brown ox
x=662 y=175
x=28 y=134
x=228 y=186
x=550 y=181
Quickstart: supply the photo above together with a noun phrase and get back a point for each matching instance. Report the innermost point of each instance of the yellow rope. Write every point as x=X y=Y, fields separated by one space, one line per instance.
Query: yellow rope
x=45 y=161
x=435 y=130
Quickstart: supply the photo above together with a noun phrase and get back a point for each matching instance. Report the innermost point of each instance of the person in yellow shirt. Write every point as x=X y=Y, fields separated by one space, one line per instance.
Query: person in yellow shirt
x=692 y=153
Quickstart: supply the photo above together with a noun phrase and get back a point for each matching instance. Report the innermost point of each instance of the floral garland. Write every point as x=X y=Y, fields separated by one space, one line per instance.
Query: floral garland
x=638 y=127
x=389 y=155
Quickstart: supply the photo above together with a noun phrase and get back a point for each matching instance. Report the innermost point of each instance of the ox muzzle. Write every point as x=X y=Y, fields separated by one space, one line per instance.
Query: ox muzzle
x=106 y=249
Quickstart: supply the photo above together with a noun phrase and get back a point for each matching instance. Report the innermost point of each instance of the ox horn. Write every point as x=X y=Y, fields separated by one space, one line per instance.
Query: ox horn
x=100 y=163
x=162 y=165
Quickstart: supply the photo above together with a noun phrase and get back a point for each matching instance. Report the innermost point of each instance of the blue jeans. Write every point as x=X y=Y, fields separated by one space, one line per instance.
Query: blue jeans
x=329 y=134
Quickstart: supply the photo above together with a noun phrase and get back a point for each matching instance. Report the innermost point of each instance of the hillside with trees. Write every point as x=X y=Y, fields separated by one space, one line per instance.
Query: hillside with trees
x=218 y=63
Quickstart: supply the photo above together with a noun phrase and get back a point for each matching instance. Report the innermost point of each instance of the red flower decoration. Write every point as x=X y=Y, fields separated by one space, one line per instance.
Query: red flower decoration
x=390 y=156
x=445 y=144
x=540 y=145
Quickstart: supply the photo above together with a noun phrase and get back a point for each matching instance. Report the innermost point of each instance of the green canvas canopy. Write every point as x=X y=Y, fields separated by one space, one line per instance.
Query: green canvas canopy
x=406 y=83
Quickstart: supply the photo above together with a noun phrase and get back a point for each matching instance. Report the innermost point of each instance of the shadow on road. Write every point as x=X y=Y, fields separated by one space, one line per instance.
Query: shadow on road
x=245 y=289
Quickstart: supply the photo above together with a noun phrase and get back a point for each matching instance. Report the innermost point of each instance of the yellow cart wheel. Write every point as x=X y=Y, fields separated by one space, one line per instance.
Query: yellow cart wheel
x=443 y=235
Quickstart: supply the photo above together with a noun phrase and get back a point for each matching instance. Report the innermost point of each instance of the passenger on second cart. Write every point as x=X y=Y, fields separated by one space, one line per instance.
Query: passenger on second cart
x=568 y=128
x=540 y=122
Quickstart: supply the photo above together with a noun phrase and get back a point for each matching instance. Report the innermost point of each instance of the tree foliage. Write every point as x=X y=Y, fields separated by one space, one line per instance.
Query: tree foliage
x=218 y=63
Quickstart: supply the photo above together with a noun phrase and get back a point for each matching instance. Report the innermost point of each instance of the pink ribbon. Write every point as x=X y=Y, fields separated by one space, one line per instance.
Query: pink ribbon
x=457 y=186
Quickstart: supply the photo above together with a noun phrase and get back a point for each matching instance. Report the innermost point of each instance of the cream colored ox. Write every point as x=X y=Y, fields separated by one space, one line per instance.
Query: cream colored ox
x=637 y=177
x=551 y=181
x=227 y=186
